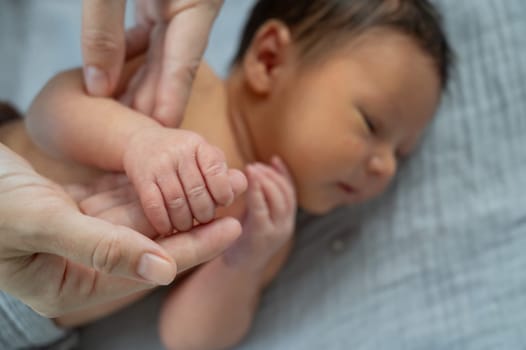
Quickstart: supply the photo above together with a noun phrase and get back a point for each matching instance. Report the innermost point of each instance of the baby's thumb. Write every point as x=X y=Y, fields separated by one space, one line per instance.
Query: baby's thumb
x=109 y=248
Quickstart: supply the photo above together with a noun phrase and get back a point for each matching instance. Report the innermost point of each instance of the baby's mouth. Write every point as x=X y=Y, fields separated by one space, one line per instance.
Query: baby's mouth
x=348 y=189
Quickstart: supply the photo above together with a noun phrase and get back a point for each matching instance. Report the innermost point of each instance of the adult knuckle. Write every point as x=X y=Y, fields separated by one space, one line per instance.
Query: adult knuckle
x=100 y=41
x=107 y=254
x=185 y=72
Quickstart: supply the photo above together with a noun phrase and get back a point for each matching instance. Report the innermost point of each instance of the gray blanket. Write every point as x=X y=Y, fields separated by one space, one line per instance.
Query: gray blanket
x=437 y=262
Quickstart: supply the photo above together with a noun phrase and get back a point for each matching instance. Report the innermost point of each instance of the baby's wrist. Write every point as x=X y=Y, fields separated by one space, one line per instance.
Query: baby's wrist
x=250 y=265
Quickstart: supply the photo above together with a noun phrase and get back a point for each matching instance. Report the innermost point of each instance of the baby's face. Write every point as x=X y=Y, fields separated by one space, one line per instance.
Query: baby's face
x=342 y=125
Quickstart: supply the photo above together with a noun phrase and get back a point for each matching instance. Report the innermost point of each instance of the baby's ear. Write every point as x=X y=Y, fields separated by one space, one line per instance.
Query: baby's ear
x=268 y=52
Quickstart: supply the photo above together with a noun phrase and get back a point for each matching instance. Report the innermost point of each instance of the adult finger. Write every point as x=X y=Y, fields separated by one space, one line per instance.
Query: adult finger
x=106 y=183
x=103 y=44
x=105 y=247
x=202 y=243
x=186 y=39
x=137 y=40
x=189 y=249
x=101 y=202
x=144 y=97
x=130 y=215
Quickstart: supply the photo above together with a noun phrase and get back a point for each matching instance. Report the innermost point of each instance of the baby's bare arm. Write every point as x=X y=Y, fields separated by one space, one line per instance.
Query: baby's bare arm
x=65 y=122
x=214 y=307
x=178 y=175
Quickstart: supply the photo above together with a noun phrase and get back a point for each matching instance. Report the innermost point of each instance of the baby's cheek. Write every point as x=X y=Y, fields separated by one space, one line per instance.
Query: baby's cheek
x=357 y=149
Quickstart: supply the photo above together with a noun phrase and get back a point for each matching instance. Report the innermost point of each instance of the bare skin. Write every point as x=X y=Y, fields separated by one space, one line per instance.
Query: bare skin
x=284 y=109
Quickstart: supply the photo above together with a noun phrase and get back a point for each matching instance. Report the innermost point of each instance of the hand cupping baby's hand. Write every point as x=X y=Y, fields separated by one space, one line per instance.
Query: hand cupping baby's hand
x=179 y=177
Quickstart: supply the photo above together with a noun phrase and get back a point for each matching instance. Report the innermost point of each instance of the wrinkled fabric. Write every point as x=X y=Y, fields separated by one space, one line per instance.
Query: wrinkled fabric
x=436 y=263
x=22 y=328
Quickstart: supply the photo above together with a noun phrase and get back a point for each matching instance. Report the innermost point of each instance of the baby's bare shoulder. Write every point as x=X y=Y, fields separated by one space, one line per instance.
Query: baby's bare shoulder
x=206 y=80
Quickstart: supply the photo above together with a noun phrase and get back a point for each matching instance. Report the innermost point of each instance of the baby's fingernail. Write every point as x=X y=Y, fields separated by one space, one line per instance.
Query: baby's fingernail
x=97 y=82
x=156 y=269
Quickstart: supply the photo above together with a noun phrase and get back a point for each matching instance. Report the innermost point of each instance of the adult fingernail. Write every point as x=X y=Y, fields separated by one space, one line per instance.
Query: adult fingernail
x=156 y=269
x=97 y=81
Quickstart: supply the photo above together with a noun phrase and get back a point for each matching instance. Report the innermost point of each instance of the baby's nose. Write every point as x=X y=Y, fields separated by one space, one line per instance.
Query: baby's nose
x=383 y=165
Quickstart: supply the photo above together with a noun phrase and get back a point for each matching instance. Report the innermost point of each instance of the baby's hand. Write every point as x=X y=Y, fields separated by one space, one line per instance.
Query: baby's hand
x=270 y=215
x=179 y=177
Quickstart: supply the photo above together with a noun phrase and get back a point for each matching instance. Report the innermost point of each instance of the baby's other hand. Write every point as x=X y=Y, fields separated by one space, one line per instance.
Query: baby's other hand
x=179 y=177
x=270 y=216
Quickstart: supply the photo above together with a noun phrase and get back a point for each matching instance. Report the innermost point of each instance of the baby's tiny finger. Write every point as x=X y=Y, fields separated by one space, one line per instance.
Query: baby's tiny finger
x=280 y=166
x=175 y=200
x=238 y=181
x=197 y=193
x=256 y=202
x=153 y=205
x=275 y=198
x=286 y=183
x=213 y=167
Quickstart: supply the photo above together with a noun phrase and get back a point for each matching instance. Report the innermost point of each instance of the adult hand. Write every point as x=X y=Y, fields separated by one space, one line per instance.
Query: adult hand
x=56 y=259
x=163 y=86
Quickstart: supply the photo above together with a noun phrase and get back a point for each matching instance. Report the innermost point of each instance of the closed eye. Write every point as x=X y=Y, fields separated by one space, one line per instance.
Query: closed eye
x=368 y=121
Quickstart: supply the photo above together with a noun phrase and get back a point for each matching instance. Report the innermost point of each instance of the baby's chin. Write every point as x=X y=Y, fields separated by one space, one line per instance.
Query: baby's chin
x=317 y=208
x=322 y=207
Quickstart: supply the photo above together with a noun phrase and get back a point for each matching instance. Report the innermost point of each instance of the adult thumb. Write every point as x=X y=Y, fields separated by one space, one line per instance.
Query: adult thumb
x=103 y=44
x=108 y=248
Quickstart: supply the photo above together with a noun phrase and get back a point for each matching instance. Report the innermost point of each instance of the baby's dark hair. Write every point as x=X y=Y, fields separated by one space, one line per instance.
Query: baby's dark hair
x=317 y=25
x=8 y=113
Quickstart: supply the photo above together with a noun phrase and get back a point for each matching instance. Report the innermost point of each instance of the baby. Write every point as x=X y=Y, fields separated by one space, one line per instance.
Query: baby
x=323 y=99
